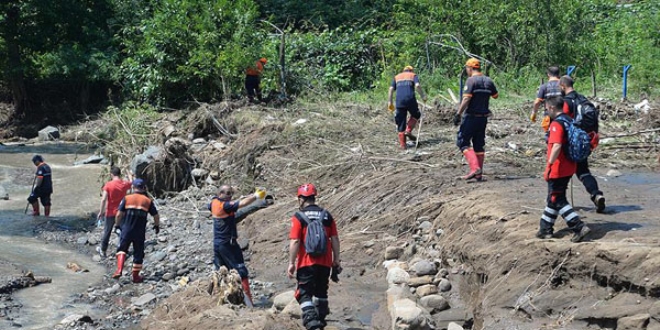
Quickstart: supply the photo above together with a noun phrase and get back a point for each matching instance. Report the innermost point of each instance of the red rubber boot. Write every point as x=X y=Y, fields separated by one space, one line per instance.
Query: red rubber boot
x=121 y=257
x=246 y=291
x=136 y=273
x=472 y=160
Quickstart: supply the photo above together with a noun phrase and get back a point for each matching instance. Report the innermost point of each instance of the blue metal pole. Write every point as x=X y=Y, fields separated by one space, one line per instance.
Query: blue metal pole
x=570 y=69
x=625 y=80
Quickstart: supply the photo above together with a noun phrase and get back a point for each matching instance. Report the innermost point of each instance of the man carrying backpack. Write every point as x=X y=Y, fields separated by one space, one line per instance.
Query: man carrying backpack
x=314 y=253
x=559 y=170
x=547 y=90
x=585 y=116
x=226 y=251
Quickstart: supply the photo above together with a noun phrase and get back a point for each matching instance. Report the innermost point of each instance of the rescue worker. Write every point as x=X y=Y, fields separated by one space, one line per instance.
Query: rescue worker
x=547 y=90
x=113 y=192
x=474 y=112
x=558 y=172
x=253 y=79
x=405 y=84
x=42 y=188
x=226 y=251
x=312 y=273
x=131 y=219
x=571 y=98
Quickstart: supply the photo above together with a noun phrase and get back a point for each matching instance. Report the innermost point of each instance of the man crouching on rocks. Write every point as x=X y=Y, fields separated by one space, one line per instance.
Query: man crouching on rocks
x=226 y=250
x=132 y=220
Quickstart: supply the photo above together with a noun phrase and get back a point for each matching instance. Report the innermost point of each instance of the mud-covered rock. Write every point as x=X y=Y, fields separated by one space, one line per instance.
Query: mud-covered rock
x=424 y=267
x=419 y=281
x=283 y=299
x=397 y=275
x=426 y=290
x=393 y=252
x=49 y=133
x=636 y=322
x=407 y=315
x=435 y=303
x=444 y=285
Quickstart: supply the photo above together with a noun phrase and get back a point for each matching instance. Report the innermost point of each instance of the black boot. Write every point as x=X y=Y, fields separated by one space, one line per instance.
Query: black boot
x=545 y=230
x=599 y=201
x=580 y=230
x=310 y=318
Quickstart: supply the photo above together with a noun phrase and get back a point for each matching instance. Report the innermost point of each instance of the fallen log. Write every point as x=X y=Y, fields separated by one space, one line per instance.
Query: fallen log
x=9 y=283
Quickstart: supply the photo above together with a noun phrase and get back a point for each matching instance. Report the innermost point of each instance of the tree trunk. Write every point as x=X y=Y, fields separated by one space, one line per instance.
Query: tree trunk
x=15 y=67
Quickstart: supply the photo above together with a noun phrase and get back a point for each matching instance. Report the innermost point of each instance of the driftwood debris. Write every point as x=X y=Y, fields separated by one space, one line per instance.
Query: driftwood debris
x=9 y=283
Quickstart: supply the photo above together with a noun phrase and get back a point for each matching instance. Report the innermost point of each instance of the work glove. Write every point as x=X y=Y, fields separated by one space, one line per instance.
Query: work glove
x=259 y=194
x=334 y=274
x=390 y=107
x=156 y=229
x=457 y=119
x=532 y=117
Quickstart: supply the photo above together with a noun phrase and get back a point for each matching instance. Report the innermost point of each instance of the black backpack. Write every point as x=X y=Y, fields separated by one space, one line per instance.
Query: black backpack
x=586 y=114
x=316 y=239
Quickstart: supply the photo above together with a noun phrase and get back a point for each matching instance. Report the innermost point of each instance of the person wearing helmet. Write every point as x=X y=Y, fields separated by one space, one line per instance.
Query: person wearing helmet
x=253 y=79
x=131 y=219
x=472 y=116
x=405 y=84
x=312 y=271
x=42 y=188
x=226 y=251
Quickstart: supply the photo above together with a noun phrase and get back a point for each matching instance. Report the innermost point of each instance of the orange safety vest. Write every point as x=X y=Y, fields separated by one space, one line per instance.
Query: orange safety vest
x=256 y=70
x=137 y=202
x=218 y=210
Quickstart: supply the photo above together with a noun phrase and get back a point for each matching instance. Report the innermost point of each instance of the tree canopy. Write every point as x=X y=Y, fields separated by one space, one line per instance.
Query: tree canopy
x=75 y=53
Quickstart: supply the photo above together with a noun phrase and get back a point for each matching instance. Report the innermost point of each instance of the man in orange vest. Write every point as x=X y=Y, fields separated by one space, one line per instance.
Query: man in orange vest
x=131 y=219
x=405 y=84
x=253 y=79
x=226 y=251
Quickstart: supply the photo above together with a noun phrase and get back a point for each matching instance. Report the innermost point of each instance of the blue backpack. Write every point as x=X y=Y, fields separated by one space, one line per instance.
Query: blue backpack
x=578 y=148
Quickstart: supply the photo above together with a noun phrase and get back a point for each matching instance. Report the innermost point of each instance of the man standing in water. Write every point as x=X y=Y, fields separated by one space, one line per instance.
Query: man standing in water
x=42 y=187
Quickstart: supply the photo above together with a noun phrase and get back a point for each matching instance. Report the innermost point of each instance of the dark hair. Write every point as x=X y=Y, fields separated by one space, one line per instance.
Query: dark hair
x=37 y=159
x=115 y=171
x=553 y=71
x=556 y=102
x=566 y=81
x=308 y=199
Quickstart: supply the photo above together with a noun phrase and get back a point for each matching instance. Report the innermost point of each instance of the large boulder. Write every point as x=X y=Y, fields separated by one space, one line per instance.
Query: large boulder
x=407 y=315
x=49 y=133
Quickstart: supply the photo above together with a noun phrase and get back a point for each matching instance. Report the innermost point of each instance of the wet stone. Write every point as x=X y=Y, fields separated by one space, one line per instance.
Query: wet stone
x=144 y=299
x=167 y=276
x=424 y=267
x=82 y=240
x=444 y=285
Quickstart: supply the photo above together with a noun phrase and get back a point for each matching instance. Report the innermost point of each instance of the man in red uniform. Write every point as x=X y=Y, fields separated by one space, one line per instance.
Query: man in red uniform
x=43 y=186
x=558 y=173
x=113 y=192
x=253 y=79
x=131 y=218
x=405 y=84
x=474 y=111
x=547 y=90
x=226 y=251
x=313 y=272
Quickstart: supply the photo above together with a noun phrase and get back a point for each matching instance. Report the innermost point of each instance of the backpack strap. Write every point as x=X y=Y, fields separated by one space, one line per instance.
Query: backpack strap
x=303 y=218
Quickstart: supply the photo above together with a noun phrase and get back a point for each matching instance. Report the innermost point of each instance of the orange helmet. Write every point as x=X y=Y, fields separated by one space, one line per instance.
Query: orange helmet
x=473 y=63
x=307 y=190
x=263 y=60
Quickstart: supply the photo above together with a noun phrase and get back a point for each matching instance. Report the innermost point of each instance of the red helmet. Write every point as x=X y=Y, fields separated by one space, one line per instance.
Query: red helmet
x=307 y=190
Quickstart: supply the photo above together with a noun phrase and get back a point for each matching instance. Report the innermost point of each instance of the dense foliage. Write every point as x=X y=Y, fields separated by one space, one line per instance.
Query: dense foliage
x=71 y=53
